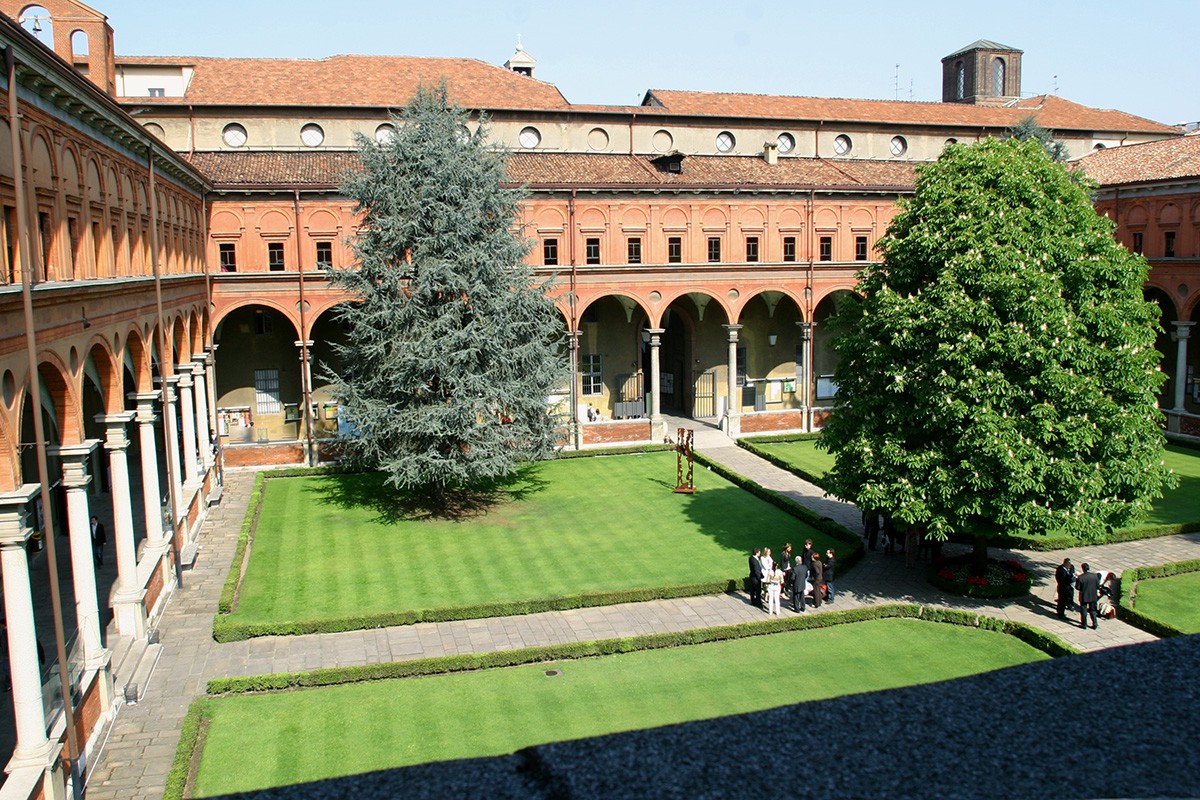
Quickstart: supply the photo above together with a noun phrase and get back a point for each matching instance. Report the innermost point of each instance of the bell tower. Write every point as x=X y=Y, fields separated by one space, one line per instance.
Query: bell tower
x=80 y=35
x=983 y=73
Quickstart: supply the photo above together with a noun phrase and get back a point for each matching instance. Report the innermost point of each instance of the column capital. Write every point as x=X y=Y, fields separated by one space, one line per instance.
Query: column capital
x=733 y=332
x=13 y=530
x=1183 y=329
x=145 y=406
x=656 y=336
x=114 y=429
x=203 y=360
x=186 y=381
x=74 y=462
x=806 y=329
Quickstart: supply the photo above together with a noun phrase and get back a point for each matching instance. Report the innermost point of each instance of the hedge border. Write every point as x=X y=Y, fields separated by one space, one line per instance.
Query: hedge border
x=632 y=449
x=1128 y=595
x=226 y=630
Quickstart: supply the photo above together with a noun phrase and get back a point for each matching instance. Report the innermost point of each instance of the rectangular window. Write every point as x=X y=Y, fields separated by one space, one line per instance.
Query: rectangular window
x=550 y=252
x=751 y=249
x=263 y=324
x=1137 y=243
x=789 y=248
x=228 y=257
x=275 y=256
x=1169 y=244
x=157 y=91
x=591 y=369
x=634 y=250
x=714 y=249
x=12 y=272
x=266 y=391
x=741 y=366
x=860 y=248
x=827 y=248
x=592 y=251
x=324 y=255
x=674 y=250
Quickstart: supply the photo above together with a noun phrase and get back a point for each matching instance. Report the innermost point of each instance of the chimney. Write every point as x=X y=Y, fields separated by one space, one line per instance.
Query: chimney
x=771 y=153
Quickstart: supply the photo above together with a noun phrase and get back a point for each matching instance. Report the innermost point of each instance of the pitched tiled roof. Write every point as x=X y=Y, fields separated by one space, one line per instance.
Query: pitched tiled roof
x=982 y=44
x=1137 y=163
x=350 y=81
x=1050 y=111
x=325 y=170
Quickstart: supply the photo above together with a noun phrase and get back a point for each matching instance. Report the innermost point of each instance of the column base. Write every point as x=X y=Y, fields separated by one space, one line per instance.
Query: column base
x=43 y=756
x=129 y=611
x=658 y=429
x=732 y=425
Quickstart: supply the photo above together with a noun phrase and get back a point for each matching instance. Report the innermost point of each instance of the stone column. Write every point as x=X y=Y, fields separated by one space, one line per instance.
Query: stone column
x=187 y=414
x=733 y=414
x=171 y=443
x=656 y=421
x=203 y=431
x=126 y=599
x=87 y=611
x=1183 y=332
x=576 y=427
x=306 y=415
x=33 y=747
x=151 y=487
x=806 y=386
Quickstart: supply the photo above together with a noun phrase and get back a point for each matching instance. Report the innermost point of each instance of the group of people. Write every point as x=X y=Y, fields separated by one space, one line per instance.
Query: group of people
x=806 y=578
x=1094 y=588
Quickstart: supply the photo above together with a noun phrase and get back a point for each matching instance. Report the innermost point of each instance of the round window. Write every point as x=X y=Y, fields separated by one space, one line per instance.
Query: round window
x=785 y=142
x=951 y=141
x=530 y=137
x=1099 y=146
x=725 y=141
x=154 y=129
x=312 y=135
x=385 y=133
x=234 y=135
x=598 y=139
x=663 y=141
x=842 y=145
x=899 y=146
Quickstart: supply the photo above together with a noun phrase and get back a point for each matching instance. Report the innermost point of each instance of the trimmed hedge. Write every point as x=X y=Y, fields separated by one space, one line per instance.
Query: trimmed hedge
x=225 y=630
x=799 y=472
x=572 y=650
x=780 y=437
x=854 y=546
x=615 y=451
x=1128 y=595
x=199 y=712
x=229 y=592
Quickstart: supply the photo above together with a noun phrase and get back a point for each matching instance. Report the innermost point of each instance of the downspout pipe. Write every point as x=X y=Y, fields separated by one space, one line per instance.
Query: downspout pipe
x=24 y=236
x=577 y=434
x=305 y=370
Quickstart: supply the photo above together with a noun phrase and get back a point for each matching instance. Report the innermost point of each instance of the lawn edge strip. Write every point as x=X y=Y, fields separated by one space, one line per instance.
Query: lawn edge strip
x=191 y=744
x=1128 y=595
x=846 y=559
x=629 y=450
x=237 y=566
x=467 y=662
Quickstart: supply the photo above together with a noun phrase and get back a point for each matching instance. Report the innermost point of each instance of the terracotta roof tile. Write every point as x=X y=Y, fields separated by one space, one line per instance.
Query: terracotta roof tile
x=1050 y=111
x=1138 y=163
x=351 y=81
x=325 y=170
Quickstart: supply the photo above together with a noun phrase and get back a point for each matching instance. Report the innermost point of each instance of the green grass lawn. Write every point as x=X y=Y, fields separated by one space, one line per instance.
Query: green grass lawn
x=329 y=547
x=1177 y=505
x=258 y=741
x=1174 y=600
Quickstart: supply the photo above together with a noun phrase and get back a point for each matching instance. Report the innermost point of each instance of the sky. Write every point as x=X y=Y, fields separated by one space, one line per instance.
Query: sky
x=1136 y=57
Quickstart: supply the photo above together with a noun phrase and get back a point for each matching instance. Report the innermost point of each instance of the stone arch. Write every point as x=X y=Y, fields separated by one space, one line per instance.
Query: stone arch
x=195 y=334
x=57 y=387
x=826 y=218
x=112 y=188
x=6 y=161
x=752 y=218
x=593 y=217
x=633 y=217
x=702 y=299
x=136 y=359
x=714 y=218
x=226 y=221
x=322 y=219
x=674 y=217
x=275 y=222
x=1168 y=214
x=95 y=186
x=862 y=218
x=790 y=217
x=271 y=303
x=10 y=466
x=102 y=367
x=772 y=296
x=68 y=162
x=181 y=350
x=1137 y=215
x=79 y=45
x=41 y=162
x=550 y=218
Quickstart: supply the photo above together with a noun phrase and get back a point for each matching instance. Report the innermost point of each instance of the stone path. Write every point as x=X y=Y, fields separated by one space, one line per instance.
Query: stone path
x=135 y=761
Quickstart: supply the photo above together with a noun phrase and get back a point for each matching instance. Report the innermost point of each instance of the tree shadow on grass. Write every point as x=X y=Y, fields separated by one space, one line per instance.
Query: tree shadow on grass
x=739 y=521
x=370 y=490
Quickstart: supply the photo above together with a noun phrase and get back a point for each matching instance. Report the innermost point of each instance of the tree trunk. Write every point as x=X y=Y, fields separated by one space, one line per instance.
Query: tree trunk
x=979 y=556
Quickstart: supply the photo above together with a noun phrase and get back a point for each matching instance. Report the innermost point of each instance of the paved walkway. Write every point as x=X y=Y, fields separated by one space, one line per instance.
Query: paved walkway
x=142 y=744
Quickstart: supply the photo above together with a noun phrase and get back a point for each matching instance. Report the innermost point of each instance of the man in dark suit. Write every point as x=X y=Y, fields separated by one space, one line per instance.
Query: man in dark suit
x=1064 y=577
x=816 y=576
x=1088 y=584
x=99 y=539
x=799 y=577
x=756 y=579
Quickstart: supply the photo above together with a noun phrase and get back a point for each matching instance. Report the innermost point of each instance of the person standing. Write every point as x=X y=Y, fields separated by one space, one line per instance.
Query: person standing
x=806 y=555
x=99 y=539
x=774 y=586
x=756 y=578
x=829 y=572
x=799 y=585
x=1064 y=577
x=816 y=576
x=871 y=528
x=1088 y=584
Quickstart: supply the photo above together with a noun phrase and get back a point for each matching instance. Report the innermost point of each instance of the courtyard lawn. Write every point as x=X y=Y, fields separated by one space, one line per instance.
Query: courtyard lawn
x=333 y=547
x=1176 y=507
x=258 y=741
x=1174 y=600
